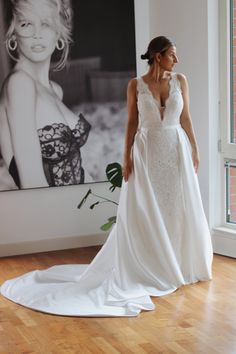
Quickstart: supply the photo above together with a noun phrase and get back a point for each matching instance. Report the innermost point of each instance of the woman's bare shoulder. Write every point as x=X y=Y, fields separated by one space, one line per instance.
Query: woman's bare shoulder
x=18 y=85
x=57 y=89
x=20 y=82
x=132 y=85
x=133 y=82
x=183 y=82
x=181 y=77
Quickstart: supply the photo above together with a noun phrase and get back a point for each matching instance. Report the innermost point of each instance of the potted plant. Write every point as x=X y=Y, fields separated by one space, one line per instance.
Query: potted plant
x=114 y=176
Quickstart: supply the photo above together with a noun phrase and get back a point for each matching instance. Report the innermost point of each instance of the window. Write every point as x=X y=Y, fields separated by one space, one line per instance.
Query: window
x=228 y=106
x=233 y=71
x=230 y=170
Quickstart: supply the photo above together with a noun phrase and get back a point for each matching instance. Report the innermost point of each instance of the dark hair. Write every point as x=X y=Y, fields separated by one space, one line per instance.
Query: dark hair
x=158 y=44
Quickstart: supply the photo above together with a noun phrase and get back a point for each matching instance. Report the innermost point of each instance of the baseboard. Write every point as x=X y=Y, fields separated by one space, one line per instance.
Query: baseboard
x=224 y=242
x=55 y=244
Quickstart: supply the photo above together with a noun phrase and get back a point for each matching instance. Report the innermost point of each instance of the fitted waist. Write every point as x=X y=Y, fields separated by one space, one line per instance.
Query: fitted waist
x=159 y=127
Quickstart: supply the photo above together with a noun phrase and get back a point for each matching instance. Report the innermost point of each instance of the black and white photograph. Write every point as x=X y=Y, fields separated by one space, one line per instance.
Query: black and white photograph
x=64 y=70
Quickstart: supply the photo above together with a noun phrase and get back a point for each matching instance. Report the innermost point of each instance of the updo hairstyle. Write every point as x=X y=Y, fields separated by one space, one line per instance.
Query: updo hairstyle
x=158 y=44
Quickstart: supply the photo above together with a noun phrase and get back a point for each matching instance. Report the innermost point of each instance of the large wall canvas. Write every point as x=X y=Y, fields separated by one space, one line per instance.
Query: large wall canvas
x=102 y=59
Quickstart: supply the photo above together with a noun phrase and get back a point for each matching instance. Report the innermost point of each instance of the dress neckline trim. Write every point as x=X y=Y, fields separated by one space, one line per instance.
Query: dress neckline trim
x=151 y=93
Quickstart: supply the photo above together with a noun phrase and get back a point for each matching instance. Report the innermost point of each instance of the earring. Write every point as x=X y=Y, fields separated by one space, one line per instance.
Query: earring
x=60 y=44
x=12 y=44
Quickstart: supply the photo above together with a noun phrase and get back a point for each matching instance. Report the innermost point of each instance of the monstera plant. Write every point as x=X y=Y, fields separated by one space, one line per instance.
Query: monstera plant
x=114 y=176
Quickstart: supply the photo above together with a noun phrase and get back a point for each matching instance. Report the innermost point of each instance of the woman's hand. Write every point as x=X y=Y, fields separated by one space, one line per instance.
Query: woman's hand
x=127 y=168
x=196 y=160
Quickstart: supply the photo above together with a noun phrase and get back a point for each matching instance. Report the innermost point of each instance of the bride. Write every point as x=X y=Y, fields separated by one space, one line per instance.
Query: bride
x=161 y=240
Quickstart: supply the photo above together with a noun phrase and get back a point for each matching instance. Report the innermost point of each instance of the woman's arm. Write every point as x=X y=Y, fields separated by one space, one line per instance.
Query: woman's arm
x=20 y=108
x=131 y=127
x=186 y=121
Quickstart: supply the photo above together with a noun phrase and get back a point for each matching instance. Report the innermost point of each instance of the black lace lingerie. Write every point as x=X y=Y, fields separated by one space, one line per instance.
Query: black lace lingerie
x=61 y=155
x=60 y=147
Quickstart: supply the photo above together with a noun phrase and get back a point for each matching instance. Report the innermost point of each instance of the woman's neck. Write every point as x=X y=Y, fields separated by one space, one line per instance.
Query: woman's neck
x=155 y=73
x=38 y=71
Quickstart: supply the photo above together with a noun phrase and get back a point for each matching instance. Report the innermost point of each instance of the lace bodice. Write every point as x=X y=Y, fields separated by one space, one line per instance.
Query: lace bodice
x=159 y=135
x=60 y=147
x=149 y=108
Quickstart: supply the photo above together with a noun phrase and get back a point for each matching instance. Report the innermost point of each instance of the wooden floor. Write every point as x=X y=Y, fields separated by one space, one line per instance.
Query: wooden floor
x=199 y=318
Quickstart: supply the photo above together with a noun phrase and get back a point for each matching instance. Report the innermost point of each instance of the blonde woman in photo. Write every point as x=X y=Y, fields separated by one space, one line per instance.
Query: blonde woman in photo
x=40 y=138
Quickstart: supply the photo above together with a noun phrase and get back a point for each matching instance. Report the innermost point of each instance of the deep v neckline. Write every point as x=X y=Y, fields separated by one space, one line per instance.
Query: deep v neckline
x=160 y=107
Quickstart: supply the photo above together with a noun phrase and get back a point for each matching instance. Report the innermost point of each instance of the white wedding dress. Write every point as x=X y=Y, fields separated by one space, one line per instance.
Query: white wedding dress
x=161 y=239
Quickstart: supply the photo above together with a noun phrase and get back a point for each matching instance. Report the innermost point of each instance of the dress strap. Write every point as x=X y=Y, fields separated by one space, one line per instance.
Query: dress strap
x=175 y=82
x=141 y=86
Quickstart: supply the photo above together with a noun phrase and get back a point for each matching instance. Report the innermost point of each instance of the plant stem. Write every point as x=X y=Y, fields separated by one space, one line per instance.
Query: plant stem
x=107 y=200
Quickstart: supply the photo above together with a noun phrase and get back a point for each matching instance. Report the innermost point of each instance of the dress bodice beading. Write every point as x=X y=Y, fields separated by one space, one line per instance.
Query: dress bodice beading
x=60 y=147
x=149 y=108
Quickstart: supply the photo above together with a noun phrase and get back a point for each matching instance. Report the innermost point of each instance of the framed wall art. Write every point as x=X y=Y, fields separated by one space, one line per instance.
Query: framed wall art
x=64 y=128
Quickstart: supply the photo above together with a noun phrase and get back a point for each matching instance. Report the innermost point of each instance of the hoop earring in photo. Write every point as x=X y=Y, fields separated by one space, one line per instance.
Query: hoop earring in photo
x=60 y=44
x=12 y=44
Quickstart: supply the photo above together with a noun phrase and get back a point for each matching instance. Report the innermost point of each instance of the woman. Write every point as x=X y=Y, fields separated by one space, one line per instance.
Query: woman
x=40 y=138
x=161 y=239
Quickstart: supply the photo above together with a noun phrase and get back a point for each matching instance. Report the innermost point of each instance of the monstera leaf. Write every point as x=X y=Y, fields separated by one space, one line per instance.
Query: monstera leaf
x=114 y=175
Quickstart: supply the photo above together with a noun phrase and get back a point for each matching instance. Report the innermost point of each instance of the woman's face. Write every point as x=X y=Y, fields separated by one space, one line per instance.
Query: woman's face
x=36 y=32
x=168 y=59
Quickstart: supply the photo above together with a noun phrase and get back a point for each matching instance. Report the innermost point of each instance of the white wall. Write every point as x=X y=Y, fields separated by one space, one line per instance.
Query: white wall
x=142 y=31
x=46 y=219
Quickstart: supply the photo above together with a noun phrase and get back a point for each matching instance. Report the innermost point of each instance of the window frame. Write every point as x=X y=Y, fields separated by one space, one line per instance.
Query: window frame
x=226 y=147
